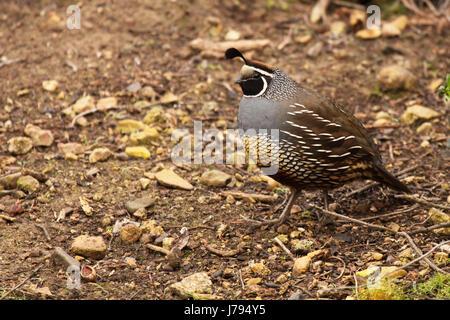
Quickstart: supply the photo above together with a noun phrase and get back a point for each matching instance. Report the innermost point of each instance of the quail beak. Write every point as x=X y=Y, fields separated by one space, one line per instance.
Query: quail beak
x=238 y=80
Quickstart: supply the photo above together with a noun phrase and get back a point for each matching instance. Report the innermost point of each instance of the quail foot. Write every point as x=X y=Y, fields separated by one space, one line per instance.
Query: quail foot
x=312 y=143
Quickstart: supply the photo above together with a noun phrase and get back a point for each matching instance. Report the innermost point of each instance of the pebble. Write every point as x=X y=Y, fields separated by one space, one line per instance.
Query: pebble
x=10 y=181
x=301 y=265
x=99 y=154
x=315 y=49
x=232 y=35
x=70 y=147
x=148 y=92
x=152 y=228
x=130 y=233
x=89 y=246
x=134 y=205
x=338 y=27
x=425 y=128
x=395 y=27
x=368 y=34
x=19 y=145
x=39 y=137
x=144 y=137
x=260 y=269
x=169 y=178
x=155 y=115
x=129 y=126
x=416 y=112
x=138 y=152
x=141 y=214
x=215 y=178
x=304 y=245
x=50 y=85
x=107 y=102
x=395 y=77
x=194 y=286
x=83 y=104
x=144 y=182
x=168 y=242
x=437 y=216
x=134 y=87
x=28 y=184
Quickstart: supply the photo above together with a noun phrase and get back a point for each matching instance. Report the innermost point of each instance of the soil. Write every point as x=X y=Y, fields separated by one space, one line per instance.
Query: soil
x=123 y=42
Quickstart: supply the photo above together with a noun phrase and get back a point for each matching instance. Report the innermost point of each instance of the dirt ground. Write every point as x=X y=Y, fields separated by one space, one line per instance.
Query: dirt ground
x=124 y=42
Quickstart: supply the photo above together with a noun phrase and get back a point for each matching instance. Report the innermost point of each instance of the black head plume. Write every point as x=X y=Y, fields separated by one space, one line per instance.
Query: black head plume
x=232 y=53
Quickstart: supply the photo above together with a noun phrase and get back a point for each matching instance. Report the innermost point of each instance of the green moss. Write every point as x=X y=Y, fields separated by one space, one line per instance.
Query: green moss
x=437 y=287
x=388 y=290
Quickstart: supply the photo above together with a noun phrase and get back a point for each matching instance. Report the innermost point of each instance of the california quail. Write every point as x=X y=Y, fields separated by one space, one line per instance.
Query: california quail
x=319 y=145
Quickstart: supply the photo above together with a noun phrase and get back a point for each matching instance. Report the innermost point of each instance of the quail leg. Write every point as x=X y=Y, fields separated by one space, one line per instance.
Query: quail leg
x=323 y=218
x=284 y=214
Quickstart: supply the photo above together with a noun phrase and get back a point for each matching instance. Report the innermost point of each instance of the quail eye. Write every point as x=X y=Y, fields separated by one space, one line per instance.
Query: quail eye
x=253 y=86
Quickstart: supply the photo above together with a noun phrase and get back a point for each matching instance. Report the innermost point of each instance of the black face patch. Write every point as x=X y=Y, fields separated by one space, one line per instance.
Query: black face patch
x=254 y=86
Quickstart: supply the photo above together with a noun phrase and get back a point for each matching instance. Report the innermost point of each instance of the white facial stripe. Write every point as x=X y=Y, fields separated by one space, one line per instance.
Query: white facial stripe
x=261 y=92
x=263 y=72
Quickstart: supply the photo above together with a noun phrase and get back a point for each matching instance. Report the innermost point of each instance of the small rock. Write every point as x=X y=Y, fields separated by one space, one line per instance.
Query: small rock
x=99 y=154
x=148 y=92
x=315 y=49
x=215 y=178
x=141 y=214
x=373 y=276
x=152 y=228
x=129 y=126
x=301 y=265
x=130 y=233
x=368 y=34
x=19 y=145
x=134 y=87
x=232 y=35
x=107 y=102
x=406 y=254
x=144 y=183
x=437 y=216
x=416 y=112
x=168 y=242
x=395 y=27
x=39 y=136
x=70 y=147
x=50 y=85
x=303 y=38
x=338 y=27
x=190 y=287
x=144 y=137
x=89 y=246
x=83 y=104
x=134 y=205
x=425 y=128
x=377 y=256
x=395 y=77
x=10 y=181
x=304 y=245
x=155 y=115
x=169 y=178
x=28 y=184
x=260 y=269
x=138 y=152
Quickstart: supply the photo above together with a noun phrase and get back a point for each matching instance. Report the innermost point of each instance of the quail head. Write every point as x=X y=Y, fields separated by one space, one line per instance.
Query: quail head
x=319 y=145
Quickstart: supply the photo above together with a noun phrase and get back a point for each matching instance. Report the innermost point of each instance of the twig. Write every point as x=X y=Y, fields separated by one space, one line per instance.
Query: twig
x=421 y=201
x=223 y=253
x=158 y=249
x=343 y=269
x=392 y=213
x=374 y=226
x=241 y=280
x=285 y=249
x=348 y=4
x=89 y=112
x=419 y=258
x=22 y=283
x=436 y=226
x=417 y=250
x=47 y=236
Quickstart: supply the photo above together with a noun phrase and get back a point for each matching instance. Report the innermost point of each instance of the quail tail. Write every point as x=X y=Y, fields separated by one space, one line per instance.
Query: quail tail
x=383 y=176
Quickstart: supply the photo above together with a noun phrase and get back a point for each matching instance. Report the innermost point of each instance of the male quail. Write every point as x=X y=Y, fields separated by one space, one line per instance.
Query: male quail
x=319 y=146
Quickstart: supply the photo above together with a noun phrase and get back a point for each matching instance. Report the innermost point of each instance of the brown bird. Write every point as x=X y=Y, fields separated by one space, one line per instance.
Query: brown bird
x=318 y=145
